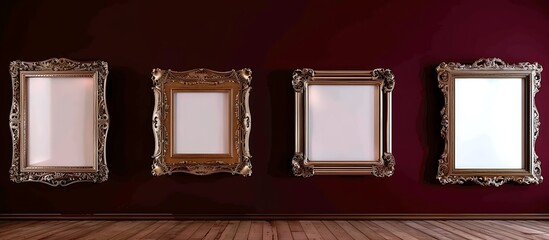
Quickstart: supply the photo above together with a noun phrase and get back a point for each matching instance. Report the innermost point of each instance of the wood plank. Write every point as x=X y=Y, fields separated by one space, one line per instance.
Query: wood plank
x=131 y=229
x=114 y=228
x=43 y=233
x=369 y=233
x=521 y=229
x=267 y=231
x=189 y=230
x=337 y=230
x=295 y=226
x=256 y=230
x=28 y=230
x=297 y=230
x=462 y=227
x=323 y=230
x=274 y=230
x=97 y=225
x=414 y=232
x=202 y=231
x=488 y=231
x=381 y=231
x=81 y=230
x=13 y=226
x=542 y=226
x=394 y=230
x=502 y=230
x=164 y=227
x=216 y=230
x=139 y=234
x=310 y=230
x=538 y=225
x=351 y=230
x=299 y=235
x=243 y=230
x=66 y=226
x=434 y=231
x=230 y=230
x=172 y=234
x=443 y=229
x=448 y=228
x=283 y=230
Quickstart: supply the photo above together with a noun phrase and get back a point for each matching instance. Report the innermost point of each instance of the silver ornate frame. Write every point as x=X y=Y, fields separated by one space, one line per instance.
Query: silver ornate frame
x=202 y=80
x=490 y=67
x=63 y=175
x=304 y=167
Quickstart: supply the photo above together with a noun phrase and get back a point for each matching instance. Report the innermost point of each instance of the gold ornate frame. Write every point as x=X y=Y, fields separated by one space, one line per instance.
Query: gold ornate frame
x=237 y=83
x=20 y=71
x=385 y=81
x=490 y=68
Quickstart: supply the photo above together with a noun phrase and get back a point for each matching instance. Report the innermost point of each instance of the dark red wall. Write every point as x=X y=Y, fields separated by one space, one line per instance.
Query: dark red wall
x=273 y=39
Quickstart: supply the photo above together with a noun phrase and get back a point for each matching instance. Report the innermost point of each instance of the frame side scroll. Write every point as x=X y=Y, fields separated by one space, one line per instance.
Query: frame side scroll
x=197 y=79
x=387 y=167
x=54 y=176
x=494 y=67
x=299 y=167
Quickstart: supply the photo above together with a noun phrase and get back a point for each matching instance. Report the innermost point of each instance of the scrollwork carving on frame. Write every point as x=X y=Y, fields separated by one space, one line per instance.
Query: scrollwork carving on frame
x=300 y=77
x=387 y=76
x=50 y=175
x=299 y=168
x=446 y=173
x=196 y=79
x=387 y=167
x=384 y=81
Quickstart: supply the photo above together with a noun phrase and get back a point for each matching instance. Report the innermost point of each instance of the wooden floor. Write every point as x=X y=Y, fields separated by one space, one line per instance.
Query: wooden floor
x=328 y=230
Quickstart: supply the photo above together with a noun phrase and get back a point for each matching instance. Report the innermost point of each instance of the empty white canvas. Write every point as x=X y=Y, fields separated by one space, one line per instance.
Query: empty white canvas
x=488 y=123
x=343 y=123
x=201 y=122
x=61 y=121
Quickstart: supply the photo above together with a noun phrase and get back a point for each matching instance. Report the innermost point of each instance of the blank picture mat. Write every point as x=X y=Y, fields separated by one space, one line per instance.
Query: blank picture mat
x=488 y=123
x=343 y=123
x=61 y=121
x=201 y=123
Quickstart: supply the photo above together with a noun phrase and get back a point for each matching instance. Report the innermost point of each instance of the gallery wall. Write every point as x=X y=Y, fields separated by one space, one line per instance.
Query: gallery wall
x=273 y=38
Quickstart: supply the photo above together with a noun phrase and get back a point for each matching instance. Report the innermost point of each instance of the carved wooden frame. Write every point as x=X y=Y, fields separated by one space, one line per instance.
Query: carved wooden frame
x=495 y=68
x=237 y=83
x=61 y=175
x=304 y=167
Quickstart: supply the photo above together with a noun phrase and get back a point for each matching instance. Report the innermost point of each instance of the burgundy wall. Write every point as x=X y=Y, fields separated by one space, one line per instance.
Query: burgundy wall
x=273 y=39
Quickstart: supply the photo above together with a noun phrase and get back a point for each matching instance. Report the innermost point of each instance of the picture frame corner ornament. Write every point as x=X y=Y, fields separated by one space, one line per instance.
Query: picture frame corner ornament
x=387 y=168
x=300 y=77
x=244 y=168
x=300 y=168
x=159 y=169
x=387 y=76
x=245 y=75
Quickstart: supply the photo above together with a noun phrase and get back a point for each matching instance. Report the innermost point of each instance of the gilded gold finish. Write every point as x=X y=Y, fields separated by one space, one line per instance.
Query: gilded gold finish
x=237 y=84
x=20 y=71
x=385 y=81
x=490 y=68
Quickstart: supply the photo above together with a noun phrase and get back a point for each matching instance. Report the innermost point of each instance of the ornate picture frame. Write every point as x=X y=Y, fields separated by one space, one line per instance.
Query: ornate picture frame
x=381 y=83
x=236 y=86
x=489 y=122
x=62 y=83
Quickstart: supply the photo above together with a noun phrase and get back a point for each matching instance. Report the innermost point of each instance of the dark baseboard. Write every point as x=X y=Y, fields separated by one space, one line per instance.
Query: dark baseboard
x=159 y=216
